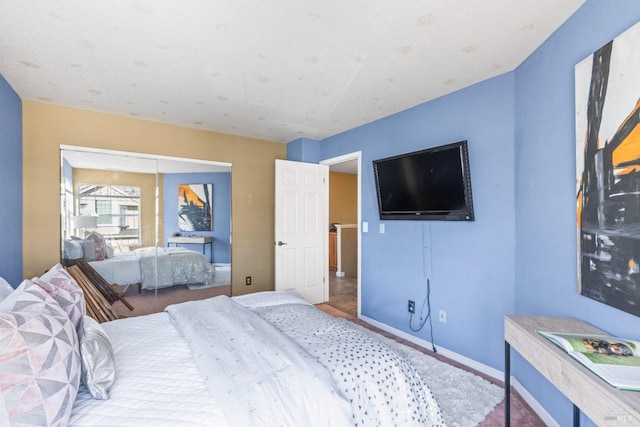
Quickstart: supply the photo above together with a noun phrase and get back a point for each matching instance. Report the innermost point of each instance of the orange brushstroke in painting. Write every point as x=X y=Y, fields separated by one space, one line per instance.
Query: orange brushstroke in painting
x=629 y=149
x=579 y=196
x=186 y=193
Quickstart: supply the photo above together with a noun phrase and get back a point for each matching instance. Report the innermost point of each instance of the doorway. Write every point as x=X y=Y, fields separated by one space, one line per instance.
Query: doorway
x=344 y=232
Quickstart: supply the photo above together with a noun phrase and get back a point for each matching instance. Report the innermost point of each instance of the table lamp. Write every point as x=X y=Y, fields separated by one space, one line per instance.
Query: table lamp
x=85 y=222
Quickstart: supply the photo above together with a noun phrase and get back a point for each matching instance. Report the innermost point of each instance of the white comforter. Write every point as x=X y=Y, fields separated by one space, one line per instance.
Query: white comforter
x=383 y=388
x=215 y=362
x=255 y=372
x=157 y=382
x=156 y=268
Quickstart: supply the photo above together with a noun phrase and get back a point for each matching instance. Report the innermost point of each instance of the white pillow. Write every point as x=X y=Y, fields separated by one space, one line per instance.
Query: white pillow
x=98 y=363
x=73 y=249
x=110 y=250
x=5 y=289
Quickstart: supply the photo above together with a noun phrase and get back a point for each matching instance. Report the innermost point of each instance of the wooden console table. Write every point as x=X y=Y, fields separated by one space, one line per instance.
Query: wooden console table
x=603 y=403
x=193 y=240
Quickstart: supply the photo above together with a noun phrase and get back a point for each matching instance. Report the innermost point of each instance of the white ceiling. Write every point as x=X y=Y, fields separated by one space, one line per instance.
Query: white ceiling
x=349 y=166
x=275 y=70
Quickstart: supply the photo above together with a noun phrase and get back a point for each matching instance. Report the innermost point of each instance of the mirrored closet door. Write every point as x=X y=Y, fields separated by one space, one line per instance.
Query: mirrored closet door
x=155 y=230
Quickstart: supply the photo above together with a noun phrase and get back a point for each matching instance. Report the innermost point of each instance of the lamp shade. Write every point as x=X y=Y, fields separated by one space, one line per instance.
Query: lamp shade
x=85 y=221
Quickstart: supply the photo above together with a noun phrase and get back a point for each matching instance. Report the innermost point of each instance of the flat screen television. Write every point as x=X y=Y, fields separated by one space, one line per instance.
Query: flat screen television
x=431 y=184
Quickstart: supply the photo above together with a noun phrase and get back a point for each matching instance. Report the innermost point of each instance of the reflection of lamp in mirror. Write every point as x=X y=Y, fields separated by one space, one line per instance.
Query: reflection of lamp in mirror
x=85 y=222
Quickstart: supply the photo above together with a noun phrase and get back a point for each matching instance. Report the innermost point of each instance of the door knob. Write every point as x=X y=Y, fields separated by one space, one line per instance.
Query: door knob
x=280 y=243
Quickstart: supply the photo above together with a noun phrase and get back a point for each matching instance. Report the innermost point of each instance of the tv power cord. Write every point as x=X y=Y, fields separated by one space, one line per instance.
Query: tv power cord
x=427 y=301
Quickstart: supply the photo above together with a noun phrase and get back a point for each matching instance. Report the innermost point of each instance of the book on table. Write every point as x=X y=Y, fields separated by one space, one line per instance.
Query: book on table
x=615 y=360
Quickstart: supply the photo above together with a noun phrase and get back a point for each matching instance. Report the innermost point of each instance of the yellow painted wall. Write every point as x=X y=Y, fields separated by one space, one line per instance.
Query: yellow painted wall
x=343 y=198
x=46 y=127
x=147 y=184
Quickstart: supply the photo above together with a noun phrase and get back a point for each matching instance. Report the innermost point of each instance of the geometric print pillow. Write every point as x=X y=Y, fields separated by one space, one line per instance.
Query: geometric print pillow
x=94 y=247
x=63 y=288
x=39 y=359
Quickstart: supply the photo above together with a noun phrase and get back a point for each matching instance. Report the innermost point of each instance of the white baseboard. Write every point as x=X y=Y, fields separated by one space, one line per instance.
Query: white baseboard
x=487 y=370
x=533 y=403
x=480 y=367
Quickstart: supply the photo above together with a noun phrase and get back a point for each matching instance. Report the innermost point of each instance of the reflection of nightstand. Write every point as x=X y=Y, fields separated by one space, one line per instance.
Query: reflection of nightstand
x=193 y=240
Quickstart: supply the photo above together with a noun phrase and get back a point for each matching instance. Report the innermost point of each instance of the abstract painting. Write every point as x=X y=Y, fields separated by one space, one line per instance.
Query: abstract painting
x=608 y=173
x=195 y=210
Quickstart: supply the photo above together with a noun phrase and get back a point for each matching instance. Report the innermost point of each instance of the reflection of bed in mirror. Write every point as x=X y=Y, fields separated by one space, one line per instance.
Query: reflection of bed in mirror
x=151 y=268
x=157 y=268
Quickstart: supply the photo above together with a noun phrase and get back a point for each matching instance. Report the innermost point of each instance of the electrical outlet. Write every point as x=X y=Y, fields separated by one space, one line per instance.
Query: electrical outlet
x=247 y=280
x=442 y=316
x=411 y=306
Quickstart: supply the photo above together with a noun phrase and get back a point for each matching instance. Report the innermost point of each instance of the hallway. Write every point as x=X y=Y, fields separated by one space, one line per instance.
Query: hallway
x=343 y=293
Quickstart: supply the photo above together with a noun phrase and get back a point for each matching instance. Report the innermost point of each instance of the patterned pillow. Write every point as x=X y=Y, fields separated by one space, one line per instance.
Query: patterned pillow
x=98 y=364
x=63 y=288
x=5 y=289
x=39 y=359
x=94 y=247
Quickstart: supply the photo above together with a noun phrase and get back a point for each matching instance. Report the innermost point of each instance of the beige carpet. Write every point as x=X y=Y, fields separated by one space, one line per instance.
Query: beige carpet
x=521 y=413
x=149 y=302
x=465 y=398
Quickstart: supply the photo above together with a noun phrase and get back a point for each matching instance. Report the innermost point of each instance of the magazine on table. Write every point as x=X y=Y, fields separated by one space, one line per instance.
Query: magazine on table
x=615 y=360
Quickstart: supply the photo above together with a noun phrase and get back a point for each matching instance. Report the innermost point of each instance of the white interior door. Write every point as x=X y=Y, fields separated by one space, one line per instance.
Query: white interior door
x=301 y=229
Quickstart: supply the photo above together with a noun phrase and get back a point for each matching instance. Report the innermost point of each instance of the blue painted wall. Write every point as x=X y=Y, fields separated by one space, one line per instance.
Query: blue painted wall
x=519 y=256
x=304 y=150
x=221 y=210
x=10 y=184
x=546 y=264
x=470 y=265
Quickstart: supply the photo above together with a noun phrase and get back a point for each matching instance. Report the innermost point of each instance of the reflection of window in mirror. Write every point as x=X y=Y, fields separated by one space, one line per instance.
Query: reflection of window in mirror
x=67 y=205
x=117 y=208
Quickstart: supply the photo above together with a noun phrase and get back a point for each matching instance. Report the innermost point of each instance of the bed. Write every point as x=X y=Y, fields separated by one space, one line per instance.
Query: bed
x=151 y=268
x=270 y=359
x=156 y=268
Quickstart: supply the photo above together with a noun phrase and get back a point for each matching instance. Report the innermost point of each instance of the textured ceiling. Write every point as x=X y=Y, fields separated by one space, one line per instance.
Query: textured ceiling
x=276 y=70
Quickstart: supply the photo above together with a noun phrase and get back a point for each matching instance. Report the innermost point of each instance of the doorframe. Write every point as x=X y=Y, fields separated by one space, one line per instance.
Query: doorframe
x=357 y=155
